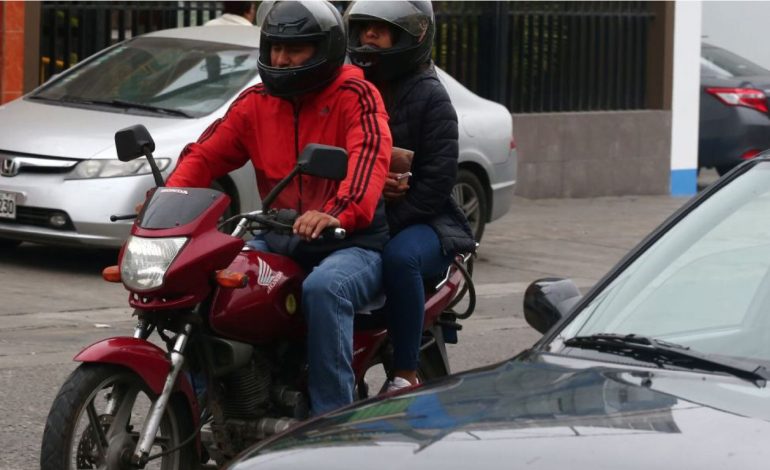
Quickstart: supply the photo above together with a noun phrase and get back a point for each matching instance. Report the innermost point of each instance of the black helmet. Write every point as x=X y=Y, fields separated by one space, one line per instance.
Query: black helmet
x=412 y=25
x=317 y=22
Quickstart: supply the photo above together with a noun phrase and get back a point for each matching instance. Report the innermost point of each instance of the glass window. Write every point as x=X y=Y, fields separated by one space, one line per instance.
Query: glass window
x=704 y=284
x=721 y=63
x=196 y=77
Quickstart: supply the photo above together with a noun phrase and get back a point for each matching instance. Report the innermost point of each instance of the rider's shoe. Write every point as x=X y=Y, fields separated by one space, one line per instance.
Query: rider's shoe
x=397 y=384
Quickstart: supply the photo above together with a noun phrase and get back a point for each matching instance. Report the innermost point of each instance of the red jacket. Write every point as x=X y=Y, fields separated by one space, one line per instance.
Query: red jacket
x=271 y=132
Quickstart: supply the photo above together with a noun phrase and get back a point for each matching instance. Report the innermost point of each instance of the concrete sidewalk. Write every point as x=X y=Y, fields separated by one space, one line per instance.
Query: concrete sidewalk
x=577 y=238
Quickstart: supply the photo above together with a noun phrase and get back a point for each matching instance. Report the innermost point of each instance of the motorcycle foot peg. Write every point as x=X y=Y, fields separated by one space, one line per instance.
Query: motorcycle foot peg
x=450 y=324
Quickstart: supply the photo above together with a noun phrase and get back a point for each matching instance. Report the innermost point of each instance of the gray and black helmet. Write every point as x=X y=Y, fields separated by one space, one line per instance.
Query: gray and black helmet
x=412 y=25
x=316 y=22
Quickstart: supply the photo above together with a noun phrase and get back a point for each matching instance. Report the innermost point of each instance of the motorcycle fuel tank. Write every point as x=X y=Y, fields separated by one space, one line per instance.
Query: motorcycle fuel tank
x=268 y=307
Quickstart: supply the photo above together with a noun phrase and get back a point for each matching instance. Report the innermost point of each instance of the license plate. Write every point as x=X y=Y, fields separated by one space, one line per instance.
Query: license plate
x=7 y=205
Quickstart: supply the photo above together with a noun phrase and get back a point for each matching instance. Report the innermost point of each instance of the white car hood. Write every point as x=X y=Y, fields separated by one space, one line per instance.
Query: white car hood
x=38 y=128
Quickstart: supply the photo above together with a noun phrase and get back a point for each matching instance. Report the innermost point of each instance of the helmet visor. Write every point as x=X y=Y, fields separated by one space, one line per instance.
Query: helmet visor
x=402 y=14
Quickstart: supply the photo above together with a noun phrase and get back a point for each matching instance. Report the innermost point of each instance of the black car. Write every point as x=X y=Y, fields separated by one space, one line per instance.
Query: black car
x=663 y=364
x=734 y=118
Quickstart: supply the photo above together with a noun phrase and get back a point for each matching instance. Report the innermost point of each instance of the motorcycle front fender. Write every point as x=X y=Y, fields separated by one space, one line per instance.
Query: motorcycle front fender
x=145 y=359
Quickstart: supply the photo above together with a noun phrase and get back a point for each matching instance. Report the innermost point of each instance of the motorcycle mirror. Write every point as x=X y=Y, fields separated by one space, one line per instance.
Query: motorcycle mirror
x=133 y=142
x=323 y=161
x=548 y=300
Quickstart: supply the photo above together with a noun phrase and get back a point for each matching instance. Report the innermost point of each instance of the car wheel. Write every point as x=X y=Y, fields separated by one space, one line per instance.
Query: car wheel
x=229 y=212
x=470 y=196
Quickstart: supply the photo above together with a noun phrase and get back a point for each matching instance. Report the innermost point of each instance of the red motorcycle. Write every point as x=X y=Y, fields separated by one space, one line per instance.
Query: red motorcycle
x=230 y=369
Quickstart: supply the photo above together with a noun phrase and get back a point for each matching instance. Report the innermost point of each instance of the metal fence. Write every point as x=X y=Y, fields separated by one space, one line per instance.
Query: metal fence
x=547 y=56
x=72 y=31
x=529 y=56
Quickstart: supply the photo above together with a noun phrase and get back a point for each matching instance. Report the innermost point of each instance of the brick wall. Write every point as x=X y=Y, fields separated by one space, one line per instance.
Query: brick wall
x=11 y=50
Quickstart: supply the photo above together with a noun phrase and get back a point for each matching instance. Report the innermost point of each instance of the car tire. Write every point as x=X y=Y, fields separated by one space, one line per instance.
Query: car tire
x=472 y=199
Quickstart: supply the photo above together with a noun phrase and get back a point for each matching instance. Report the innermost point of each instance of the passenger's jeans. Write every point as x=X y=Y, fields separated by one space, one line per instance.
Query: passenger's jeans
x=343 y=283
x=412 y=255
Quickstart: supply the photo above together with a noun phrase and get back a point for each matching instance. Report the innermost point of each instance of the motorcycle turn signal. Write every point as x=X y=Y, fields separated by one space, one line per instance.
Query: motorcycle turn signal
x=232 y=279
x=111 y=273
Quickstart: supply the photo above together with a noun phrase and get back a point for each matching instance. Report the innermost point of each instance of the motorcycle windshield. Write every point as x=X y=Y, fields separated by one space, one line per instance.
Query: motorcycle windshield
x=174 y=207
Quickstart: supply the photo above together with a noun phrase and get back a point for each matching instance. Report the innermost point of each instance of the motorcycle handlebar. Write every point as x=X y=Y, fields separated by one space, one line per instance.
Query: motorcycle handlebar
x=115 y=218
x=284 y=222
x=335 y=233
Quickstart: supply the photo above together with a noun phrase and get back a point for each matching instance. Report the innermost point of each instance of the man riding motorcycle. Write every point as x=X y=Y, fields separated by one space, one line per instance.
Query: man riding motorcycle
x=308 y=96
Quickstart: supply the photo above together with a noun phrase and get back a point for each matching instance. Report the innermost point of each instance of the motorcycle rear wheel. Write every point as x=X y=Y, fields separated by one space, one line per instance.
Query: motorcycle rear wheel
x=69 y=440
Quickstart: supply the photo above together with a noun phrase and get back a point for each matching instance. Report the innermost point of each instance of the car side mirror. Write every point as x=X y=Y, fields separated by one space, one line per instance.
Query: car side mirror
x=323 y=161
x=133 y=142
x=548 y=300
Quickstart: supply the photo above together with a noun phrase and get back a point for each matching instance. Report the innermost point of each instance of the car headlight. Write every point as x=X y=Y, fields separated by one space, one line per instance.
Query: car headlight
x=111 y=168
x=145 y=261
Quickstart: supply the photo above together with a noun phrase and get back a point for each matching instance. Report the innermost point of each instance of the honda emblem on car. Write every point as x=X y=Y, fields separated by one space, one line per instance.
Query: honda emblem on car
x=9 y=167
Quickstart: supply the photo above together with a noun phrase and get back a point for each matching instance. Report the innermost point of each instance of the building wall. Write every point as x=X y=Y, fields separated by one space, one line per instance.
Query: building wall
x=654 y=151
x=593 y=154
x=739 y=27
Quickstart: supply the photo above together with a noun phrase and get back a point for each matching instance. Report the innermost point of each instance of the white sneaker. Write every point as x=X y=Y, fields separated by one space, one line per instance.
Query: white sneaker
x=397 y=384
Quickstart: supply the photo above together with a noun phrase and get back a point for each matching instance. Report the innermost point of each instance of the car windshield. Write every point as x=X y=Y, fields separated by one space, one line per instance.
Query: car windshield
x=704 y=284
x=193 y=77
x=716 y=62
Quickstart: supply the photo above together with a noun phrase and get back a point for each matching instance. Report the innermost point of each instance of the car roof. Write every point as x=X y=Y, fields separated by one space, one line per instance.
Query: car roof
x=229 y=34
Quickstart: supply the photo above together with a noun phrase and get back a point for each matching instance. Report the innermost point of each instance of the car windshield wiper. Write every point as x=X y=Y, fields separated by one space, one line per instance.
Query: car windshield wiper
x=149 y=107
x=662 y=353
x=119 y=103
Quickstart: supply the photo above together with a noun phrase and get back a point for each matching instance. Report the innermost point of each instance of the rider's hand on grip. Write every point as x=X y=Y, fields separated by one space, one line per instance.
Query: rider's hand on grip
x=309 y=225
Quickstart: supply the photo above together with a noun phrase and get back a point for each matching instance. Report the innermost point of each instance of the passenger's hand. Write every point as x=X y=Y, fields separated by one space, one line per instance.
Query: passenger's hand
x=309 y=225
x=396 y=186
x=138 y=208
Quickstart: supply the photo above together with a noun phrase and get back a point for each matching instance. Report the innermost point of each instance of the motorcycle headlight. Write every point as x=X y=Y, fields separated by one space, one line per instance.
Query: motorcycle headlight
x=88 y=169
x=145 y=261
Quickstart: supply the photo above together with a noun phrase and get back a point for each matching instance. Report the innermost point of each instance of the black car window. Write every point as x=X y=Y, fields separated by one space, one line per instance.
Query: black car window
x=717 y=62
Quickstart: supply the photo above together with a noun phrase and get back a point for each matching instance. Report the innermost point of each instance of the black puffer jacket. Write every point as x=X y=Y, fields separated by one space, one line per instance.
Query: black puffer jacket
x=422 y=119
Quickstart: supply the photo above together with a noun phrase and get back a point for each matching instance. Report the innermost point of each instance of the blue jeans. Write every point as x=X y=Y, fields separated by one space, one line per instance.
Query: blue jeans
x=343 y=283
x=412 y=255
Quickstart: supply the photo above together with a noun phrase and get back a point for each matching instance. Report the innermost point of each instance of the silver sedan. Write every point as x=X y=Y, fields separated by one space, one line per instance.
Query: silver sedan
x=60 y=179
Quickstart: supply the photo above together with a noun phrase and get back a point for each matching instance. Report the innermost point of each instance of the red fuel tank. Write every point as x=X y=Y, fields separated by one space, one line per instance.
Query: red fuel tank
x=268 y=308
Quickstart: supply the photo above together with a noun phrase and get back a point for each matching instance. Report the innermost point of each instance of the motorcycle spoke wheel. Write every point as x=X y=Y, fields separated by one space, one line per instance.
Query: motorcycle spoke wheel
x=95 y=421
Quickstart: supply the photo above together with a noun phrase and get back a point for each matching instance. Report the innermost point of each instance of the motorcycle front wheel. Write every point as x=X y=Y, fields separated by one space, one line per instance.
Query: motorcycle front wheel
x=96 y=417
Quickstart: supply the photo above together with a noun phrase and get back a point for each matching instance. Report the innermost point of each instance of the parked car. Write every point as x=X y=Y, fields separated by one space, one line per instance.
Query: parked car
x=734 y=117
x=60 y=179
x=664 y=363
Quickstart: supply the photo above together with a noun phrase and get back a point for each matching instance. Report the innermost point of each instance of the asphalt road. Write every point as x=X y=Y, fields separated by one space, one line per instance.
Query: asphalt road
x=53 y=301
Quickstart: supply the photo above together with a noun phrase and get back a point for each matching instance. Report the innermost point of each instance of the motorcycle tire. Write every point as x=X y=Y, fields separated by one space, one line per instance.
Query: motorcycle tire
x=69 y=440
